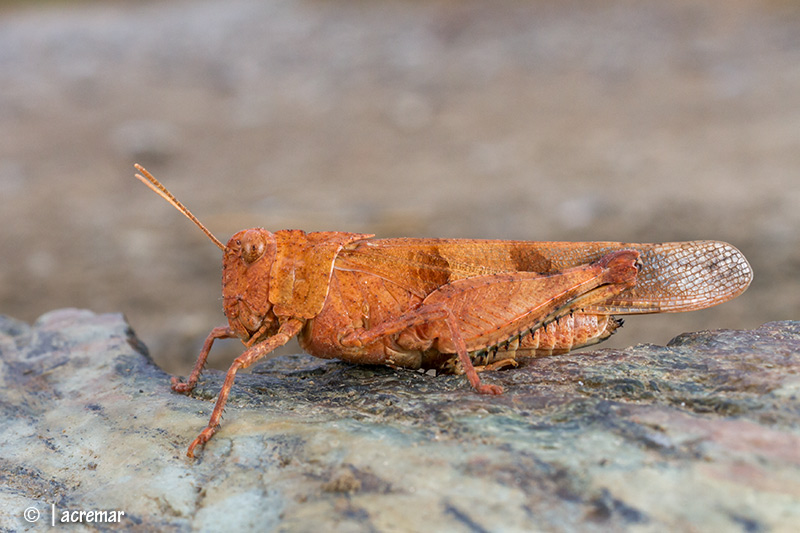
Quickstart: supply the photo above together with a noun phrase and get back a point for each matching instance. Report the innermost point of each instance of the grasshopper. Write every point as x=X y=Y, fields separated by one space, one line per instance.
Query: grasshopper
x=454 y=305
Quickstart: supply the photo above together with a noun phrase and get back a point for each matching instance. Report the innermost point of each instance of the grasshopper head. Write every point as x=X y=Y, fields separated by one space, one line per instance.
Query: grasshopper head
x=246 y=264
x=246 y=267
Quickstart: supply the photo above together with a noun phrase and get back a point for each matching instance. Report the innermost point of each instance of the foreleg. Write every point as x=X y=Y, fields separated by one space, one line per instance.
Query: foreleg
x=288 y=329
x=188 y=385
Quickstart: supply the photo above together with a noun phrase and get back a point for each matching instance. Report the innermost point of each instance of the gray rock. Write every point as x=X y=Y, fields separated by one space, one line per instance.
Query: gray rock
x=701 y=434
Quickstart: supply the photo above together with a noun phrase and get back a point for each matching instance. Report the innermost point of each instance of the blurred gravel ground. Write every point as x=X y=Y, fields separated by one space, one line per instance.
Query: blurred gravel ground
x=631 y=121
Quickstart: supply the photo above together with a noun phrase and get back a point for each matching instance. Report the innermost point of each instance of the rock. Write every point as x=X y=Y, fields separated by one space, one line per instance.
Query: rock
x=701 y=434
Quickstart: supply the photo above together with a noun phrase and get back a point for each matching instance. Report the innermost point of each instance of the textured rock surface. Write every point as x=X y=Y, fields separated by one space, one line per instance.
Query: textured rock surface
x=702 y=434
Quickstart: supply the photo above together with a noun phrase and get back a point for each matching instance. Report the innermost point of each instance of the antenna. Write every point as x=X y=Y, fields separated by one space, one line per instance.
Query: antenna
x=162 y=191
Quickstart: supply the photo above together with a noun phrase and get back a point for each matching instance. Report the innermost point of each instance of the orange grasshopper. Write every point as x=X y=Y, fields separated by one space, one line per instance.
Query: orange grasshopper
x=453 y=305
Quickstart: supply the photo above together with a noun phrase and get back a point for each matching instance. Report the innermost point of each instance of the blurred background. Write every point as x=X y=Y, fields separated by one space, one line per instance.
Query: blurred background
x=543 y=120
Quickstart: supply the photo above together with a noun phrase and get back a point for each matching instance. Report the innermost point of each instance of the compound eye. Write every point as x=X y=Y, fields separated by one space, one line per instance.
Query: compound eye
x=253 y=246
